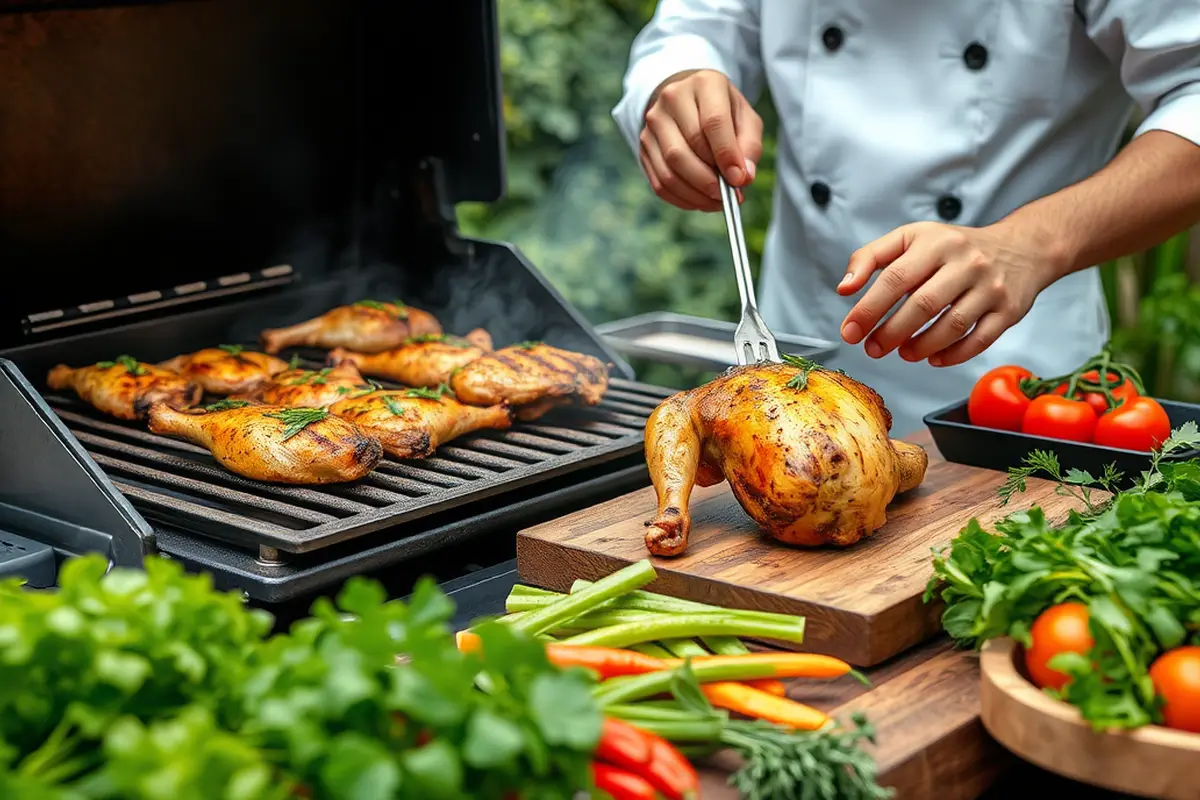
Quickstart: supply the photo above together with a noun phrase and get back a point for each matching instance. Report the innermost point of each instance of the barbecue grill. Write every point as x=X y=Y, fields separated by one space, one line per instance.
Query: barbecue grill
x=178 y=175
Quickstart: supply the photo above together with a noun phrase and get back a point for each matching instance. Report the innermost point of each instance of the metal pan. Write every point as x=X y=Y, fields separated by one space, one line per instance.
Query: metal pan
x=694 y=341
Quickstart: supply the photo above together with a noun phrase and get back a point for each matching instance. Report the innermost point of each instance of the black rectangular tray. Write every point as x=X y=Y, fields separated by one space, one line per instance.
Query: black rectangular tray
x=963 y=443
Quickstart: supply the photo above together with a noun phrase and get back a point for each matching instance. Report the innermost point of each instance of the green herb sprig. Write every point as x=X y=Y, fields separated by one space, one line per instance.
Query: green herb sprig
x=226 y=404
x=294 y=362
x=311 y=377
x=232 y=349
x=436 y=393
x=395 y=308
x=130 y=364
x=806 y=367
x=529 y=344
x=297 y=419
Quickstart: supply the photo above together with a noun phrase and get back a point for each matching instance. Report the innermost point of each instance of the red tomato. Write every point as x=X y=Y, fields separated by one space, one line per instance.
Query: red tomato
x=1054 y=417
x=1124 y=391
x=1176 y=677
x=997 y=401
x=1059 y=629
x=1137 y=424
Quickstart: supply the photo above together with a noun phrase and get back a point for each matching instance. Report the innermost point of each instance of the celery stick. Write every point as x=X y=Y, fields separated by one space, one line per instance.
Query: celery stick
x=651 y=601
x=677 y=626
x=725 y=645
x=568 y=607
x=684 y=648
x=651 y=649
x=619 y=691
x=647 y=711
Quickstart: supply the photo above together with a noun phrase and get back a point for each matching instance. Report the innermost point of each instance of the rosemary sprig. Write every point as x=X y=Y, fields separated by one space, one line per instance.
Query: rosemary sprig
x=806 y=367
x=232 y=349
x=530 y=344
x=394 y=307
x=394 y=406
x=130 y=364
x=430 y=394
x=317 y=378
x=226 y=404
x=297 y=419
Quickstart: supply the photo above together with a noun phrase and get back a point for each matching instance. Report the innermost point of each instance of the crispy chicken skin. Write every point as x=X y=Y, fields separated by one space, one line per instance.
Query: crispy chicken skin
x=227 y=369
x=253 y=441
x=305 y=388
x=532 y=378
x=420 y=361
x=367 y=326
x=410 y=424
x=812 y=466
x=125 y=388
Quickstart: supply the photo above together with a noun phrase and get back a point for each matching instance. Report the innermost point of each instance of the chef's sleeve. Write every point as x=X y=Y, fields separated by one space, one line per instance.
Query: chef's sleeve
x=720 y=35
x=1156 y=45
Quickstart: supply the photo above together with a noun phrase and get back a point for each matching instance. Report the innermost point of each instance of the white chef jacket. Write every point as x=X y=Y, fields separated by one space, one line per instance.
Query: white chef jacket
x=893 y=111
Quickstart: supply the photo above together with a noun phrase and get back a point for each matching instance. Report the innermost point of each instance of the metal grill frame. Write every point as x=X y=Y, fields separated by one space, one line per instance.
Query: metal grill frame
x=157 y=475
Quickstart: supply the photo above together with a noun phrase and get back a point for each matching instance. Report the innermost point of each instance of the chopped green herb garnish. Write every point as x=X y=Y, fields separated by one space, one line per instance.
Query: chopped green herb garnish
x=430 y=394
x=297 y=419
x=806 y=367
x=232 y=349
x=317 y=378
x=226 y=404
x=394 y=406
x=130 y=364
x=529 y=345
x=394 y=307
x=343 y=390
x=295 y=362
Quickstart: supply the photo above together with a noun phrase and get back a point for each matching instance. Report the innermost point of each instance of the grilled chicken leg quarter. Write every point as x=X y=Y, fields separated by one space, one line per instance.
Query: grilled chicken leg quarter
x=367 y=326
x=125 y=387
x=805 y=450
x=274 y=443
x=412 y=423
x=427 y=360
x=227 y=369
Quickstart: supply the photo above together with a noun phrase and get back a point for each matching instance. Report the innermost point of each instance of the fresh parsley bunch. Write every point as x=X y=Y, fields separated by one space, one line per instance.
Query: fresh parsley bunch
x=1133 y=560
x=152 y=686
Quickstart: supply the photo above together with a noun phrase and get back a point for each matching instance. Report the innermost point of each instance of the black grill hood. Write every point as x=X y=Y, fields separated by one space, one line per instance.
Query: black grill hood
x=159 y=157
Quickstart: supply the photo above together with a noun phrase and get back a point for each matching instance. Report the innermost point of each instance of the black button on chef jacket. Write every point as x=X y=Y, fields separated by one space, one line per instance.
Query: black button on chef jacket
x=820 y=193
x=975 y=56
x=949 y=207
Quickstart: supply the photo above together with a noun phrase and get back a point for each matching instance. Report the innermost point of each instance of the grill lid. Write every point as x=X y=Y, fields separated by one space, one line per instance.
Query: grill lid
x=151 y=154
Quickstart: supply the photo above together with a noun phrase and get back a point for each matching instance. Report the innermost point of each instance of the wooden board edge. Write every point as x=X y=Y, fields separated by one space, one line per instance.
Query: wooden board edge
x=1150 y=762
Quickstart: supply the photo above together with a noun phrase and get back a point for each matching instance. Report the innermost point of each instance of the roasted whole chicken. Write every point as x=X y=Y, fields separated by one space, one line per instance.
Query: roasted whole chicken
x=273 y=443
x=805 y=450
x=532 y=378
x=368 y=326
x=226 y=369
x=125 y=387
x=412 y=423
x=427 y=360
x=308 y=388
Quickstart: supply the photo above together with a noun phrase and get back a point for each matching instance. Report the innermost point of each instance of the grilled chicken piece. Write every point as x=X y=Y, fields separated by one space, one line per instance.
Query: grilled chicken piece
x=367 y=326
x=227 y=369
x=273 y=443
x=126 y=387
x=306 y=388
x=805 y=450
x=422 y=360
x=532 y=378
x=412 y=423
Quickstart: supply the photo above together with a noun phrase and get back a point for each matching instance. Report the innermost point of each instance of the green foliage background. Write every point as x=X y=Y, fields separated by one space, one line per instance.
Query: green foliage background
x=580 y=208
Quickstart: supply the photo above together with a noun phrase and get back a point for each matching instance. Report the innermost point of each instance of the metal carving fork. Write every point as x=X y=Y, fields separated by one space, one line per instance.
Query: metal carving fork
x=752 y=341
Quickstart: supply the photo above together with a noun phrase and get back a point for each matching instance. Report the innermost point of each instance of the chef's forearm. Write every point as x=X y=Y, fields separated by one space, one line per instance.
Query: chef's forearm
x=1148 y=193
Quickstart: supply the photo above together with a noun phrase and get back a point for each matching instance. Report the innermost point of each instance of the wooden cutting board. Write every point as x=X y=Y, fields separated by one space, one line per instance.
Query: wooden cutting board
x=863 y=604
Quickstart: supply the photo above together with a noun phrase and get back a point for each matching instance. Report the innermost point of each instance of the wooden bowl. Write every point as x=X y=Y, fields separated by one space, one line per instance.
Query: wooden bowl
x=1150 y=762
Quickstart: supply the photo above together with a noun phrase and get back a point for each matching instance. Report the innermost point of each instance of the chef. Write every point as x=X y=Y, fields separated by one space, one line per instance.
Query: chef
x=945 y=179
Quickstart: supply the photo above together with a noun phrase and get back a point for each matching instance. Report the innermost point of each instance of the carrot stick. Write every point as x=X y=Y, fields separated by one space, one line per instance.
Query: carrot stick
x=786 y=665
x=760 y=705
x=771 y=686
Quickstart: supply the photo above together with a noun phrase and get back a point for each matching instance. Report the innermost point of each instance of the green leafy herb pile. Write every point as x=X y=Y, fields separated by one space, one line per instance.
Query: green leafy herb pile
x=1133 y=559
x=150 y=685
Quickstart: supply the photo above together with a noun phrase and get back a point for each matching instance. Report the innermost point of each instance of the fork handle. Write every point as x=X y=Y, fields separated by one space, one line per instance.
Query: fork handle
x=737 y=243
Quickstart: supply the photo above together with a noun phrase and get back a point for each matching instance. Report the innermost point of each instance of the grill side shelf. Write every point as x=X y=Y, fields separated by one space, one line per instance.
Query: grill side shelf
x=179 y=483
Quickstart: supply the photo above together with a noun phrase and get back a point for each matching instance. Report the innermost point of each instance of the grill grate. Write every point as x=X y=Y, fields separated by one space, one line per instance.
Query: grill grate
x=179 y=483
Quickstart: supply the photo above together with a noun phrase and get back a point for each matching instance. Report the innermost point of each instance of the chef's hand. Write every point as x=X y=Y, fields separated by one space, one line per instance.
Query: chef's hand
x=981 y=281
x=697 y=121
